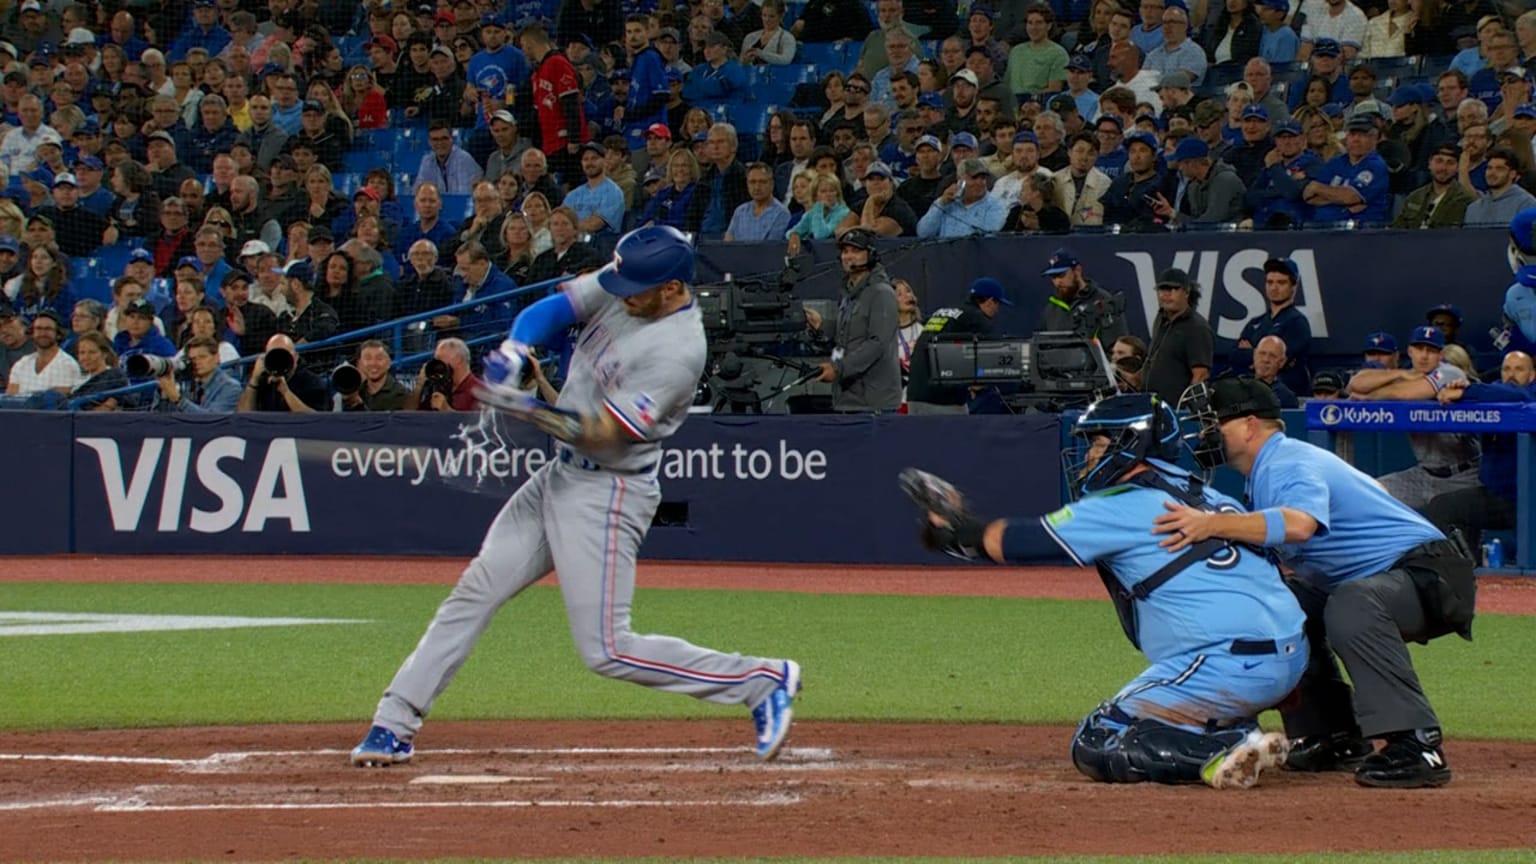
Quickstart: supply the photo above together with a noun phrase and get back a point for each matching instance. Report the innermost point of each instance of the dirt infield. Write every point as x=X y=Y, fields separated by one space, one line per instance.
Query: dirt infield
x=692 y=788
x=507 y=789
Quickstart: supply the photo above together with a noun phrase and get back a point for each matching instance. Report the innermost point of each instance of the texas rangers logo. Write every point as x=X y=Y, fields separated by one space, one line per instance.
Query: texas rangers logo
x=645 y=409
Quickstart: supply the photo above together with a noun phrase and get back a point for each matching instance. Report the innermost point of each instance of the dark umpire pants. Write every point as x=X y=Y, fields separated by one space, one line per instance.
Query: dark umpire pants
x=1368 y=623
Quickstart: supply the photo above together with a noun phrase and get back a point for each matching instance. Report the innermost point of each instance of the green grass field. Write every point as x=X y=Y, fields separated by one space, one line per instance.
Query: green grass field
x=951 y=659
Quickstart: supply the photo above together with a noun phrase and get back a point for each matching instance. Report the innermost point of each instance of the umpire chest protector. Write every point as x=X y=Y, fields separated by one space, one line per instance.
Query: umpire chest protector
x=1124 y=598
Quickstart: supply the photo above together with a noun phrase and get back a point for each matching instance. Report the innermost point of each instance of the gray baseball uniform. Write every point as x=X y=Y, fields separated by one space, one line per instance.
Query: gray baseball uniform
x=1447 y=461
x=585 y=514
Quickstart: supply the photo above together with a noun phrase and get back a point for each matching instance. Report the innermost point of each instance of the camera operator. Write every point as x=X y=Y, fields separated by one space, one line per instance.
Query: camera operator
x=204 y=388
x=445 y=382
x=288 y=386
x=1079 y=304
x=379 y=391
x=1129 y=356
x=865 y=369
x=927 y=396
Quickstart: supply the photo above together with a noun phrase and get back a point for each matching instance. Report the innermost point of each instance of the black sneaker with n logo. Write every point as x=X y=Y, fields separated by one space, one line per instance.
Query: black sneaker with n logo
x=1411 y=760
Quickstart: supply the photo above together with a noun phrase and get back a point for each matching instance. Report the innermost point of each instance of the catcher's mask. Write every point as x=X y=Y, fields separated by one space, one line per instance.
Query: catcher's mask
x=1119 y=432
x=1210 y=404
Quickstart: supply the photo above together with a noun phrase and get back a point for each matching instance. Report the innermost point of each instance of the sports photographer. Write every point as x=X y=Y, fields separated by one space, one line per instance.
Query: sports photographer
x=924 y=394
x=376 y=389
x=280 y=383
x=445 y=382
x=865 y=368
x=203 y=388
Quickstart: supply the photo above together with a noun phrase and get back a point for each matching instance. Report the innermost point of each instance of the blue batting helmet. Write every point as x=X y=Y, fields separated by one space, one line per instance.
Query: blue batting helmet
x=1522 y=240
x=645 y=258
x=1139 y=426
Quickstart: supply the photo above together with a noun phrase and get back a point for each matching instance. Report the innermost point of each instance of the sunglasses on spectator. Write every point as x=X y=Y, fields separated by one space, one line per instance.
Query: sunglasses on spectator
x=218 y=224
x=856 y=88
x=359 y=76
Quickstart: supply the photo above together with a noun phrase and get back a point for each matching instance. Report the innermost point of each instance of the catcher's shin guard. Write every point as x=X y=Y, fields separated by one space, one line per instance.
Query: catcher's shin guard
x=1145 y=750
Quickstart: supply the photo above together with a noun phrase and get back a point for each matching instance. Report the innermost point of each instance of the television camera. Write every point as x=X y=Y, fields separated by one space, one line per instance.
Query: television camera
x=1049 y=371
x=754 y=328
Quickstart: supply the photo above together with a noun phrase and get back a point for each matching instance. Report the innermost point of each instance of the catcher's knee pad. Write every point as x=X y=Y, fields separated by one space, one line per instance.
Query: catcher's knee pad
x=1113 y=749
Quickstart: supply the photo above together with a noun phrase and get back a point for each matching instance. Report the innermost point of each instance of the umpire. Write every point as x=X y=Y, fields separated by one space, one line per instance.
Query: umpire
x=1370 y=572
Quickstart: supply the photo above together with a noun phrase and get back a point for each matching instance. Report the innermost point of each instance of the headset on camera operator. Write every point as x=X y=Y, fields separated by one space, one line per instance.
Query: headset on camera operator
x=1079 y=305
x=368 y=386
x=865 y=368
x=197 y=384
x=445 y=382
x=280 y=382
x=924 y=394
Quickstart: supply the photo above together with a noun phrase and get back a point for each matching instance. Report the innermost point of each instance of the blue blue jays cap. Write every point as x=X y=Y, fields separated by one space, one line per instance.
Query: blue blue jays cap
x=1326 y=48
x=1285 y=266
x=1430 y=336
x=1380 y=342
x=1140 y=137
x=297 y=269
x=1025 y=136
x=1526 y=111
x=927 y=141
x=1450 y=309
x=1281 y=6
x=9 y=244
x=189 y=261
x=931 y=100
x=1255 y=111
x=987 y=288
x=1287 y=127
x=618 y=75
x=1190 y=148
x=1061 y=261
x=646 y=258
x=493 y=19
x=962 y=139
x=141 y=254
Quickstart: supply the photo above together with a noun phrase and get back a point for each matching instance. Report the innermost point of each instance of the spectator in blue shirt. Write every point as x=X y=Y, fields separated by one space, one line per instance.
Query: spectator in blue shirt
x=719 y=79
x=428 y=226
x=205 y=32
x=1279 y=42
x=599 y=202
x=965 y=208
x=648 y=88
x=493 y=32
x=681 y=201
x=1352 y=185
x=447 y=166
x=1275 y=196
x=138 y=334
x=762 y=218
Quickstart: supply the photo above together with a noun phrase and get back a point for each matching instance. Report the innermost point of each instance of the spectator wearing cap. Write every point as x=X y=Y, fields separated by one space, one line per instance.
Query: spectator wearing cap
x=446 y=165
x=1182 y=345
x=1447 y=462
x=771 y=44
x=1125 y=65
x=719 y=78
x=498 y=52
x=598 y=202
x=442 y=98
x=139 y=332
x=981 y=32
x=1108 y=130
x=1023 y=161
x=1282 y=281
x=1250 y=157
x=205 y=32
x=1275 y=196
x=1037 y=65
x=1127 y=203
x=902 y=52
x=15 y=341
x=1079 y=85
x=1380 y=351
x=926 y=394
x=18 y=150
x=311 y=318
x=882 y=211
x=1496 y=206
x=925 y=179
x=1446 y=317
x=1328 y=384
x=890 y=17
x=762 y=218
x=1081 y=186
x=1233 y=37
x=1443 y=201
x=79 y=231
x=166 y=172
x=47 y=367
x=38 y=28
x=1324 y=63
x=1177 y=51
x=1338 y=20
x=965 y=208
x=670 y=43
x=1213 y=193
x=509 y=146
x=962 y=115
x=1354 y=184
x=246 y=325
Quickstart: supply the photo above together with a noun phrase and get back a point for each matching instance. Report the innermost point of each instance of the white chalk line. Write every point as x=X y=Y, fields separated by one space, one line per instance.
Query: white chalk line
x=137 y=805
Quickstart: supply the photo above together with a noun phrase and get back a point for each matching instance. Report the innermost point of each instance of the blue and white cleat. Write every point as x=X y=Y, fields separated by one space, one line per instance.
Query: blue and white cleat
x=381 y=748
x=774 y=714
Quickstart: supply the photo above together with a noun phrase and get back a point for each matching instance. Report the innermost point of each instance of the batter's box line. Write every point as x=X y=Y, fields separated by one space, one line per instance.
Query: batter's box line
x=136 y=805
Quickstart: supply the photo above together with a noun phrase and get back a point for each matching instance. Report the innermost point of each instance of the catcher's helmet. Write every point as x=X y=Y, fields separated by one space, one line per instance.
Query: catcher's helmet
x=1139 y=426
x=645 y=258
x=1522 y=240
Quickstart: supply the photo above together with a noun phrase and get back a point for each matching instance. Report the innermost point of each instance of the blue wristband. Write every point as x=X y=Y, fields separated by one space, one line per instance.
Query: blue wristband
x=1274 y=526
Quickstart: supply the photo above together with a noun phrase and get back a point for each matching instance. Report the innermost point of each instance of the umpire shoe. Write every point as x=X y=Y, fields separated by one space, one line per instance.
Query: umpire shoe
x=1239 y=766
x=776 y=712
x=1411 y=760
x=381 y=748
x=1339 y=751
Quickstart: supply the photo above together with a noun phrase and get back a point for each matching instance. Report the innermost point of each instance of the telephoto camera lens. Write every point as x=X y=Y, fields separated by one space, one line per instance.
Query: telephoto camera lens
x=346 y=379
x=278 y=363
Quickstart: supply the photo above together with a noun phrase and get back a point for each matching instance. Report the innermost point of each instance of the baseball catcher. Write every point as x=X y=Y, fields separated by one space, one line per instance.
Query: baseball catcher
x=1222 y=632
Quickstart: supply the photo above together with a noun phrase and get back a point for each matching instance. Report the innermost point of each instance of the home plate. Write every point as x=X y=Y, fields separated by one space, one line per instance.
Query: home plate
x=471 y=779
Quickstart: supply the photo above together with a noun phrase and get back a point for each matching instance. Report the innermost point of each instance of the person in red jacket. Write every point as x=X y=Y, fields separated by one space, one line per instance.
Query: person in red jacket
x=557 y=98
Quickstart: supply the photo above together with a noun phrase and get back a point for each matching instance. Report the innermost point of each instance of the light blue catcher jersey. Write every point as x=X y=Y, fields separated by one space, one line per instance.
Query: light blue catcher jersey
x=1361 y=530
x=1233 y=594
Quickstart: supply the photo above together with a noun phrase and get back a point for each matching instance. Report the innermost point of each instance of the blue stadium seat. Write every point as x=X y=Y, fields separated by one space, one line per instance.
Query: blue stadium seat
x=457 y=207
x=112 y=260
x=1431 y=67
x=825 y=55
x=160 y=292
x=363 y=161
x=1395 y=65
x=1223 y=74
x=92 y=287
x=347 y=182
x=81 y=268
x=749 y=119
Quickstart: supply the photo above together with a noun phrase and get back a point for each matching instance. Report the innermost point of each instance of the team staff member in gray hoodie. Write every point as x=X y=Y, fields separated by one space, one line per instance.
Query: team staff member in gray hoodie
x=1214 y=194
x=865 y=368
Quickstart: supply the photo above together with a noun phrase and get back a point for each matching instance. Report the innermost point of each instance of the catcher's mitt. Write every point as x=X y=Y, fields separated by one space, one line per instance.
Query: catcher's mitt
x=948 y=524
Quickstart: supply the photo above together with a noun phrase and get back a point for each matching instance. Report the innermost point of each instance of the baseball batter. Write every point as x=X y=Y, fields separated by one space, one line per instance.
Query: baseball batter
x=1222 y=632
x=632 y=377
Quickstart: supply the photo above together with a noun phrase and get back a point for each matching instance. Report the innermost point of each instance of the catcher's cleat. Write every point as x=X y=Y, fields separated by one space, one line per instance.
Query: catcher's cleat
x=381 y=748
x=1239 y=766
x=776 y=712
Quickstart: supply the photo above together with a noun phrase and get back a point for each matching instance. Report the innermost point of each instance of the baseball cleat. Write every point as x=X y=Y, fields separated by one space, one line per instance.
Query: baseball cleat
x=1239 y=766
x=381 y=748
x=1337 y=752
x=1409 y=761
x=774 y=714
